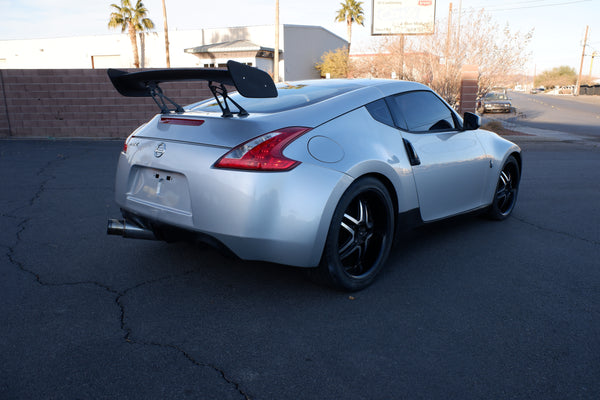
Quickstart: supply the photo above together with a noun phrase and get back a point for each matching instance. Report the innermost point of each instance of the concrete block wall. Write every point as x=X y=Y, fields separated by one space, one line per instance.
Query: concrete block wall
x=77 y=103
x=468 y=88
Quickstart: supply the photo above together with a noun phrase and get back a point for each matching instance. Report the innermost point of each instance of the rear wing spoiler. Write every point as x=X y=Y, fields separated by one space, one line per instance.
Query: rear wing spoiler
x=249 y=82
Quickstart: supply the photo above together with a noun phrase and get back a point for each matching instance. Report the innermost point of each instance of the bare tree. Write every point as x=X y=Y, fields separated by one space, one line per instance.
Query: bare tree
x=495 y=49
x=437 y=59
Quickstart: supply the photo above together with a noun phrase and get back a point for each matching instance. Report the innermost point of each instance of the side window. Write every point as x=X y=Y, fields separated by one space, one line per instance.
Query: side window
x=422 y=111
x=380 y=112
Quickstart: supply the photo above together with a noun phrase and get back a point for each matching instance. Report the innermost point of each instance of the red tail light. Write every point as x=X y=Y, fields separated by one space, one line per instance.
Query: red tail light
x=263 y=153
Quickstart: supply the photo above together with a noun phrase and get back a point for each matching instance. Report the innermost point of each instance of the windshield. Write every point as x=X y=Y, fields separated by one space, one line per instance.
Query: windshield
x=495 y=96
x=298 y=94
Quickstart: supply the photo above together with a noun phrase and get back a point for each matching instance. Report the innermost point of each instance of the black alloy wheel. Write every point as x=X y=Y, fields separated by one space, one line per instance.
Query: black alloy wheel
x=360 y=236
x=507 y=189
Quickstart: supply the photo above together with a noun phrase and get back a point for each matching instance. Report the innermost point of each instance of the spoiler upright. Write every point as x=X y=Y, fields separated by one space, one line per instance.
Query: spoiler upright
x=249 y=82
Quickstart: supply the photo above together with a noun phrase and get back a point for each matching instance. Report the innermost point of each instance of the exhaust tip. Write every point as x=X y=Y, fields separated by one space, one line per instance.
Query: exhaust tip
x=115 y=227
x=128 y=230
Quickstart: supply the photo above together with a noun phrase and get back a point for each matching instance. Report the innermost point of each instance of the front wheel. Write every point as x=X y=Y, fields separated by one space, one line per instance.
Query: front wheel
x=507 y=189
x=360 y=236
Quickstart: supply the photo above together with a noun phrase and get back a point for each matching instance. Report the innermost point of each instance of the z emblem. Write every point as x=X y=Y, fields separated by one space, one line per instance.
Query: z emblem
x=160 y=150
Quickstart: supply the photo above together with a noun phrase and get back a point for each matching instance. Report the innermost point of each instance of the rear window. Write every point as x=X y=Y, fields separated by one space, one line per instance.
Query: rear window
x=290 y=96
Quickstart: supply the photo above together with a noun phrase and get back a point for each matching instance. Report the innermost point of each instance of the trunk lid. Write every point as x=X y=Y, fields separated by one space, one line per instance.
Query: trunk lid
x=206 y=129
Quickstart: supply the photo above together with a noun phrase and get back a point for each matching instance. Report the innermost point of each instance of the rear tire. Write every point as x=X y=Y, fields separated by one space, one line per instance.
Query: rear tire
x=360 y=237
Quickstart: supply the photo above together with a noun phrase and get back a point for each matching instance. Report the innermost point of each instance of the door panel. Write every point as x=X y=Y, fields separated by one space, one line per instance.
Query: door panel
x=452 y=167
x=451 y=176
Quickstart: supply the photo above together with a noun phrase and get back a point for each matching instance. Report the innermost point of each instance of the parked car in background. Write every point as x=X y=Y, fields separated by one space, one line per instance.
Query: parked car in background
x=319 y=174
x=494 y=102
x=540 y=89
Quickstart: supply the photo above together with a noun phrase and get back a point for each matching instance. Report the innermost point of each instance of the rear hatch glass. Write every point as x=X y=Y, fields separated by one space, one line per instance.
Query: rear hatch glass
x=290 y=96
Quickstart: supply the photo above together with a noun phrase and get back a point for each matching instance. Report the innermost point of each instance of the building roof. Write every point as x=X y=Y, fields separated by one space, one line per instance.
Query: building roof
x=226 y=47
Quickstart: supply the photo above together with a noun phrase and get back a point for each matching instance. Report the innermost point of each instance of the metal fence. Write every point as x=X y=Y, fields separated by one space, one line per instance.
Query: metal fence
x=589 y=90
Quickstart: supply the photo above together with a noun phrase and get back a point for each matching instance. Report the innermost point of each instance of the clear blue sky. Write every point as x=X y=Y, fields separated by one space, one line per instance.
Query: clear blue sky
x=559 y=25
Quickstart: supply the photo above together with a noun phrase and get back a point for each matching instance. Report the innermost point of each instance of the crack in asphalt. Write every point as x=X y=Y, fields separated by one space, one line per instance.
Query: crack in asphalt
x=567 y=234
x=11 y=255
x=4 y=215
x=42 y=187
x=197 y=363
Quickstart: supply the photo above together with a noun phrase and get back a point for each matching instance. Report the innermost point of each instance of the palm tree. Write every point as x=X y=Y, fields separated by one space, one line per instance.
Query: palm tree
x=132 y=20
x=350 y=12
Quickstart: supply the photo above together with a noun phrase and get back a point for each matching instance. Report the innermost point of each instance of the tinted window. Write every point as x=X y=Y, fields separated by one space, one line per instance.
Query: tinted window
x=380 y=112
x=423 y=111
x=495 y=96
x=289 y=97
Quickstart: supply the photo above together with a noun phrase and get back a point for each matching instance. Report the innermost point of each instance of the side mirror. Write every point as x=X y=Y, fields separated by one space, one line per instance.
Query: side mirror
x=471 y=121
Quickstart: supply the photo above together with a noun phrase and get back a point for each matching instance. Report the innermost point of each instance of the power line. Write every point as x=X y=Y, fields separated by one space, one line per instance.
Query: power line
x=530 y=6
x=511 y=3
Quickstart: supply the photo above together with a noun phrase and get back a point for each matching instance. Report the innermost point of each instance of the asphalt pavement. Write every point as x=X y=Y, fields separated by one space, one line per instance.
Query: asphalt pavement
x=548 y=117
x=465 y=309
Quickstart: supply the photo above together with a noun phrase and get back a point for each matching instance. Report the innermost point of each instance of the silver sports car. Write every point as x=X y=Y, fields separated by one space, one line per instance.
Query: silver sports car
x=318 y=173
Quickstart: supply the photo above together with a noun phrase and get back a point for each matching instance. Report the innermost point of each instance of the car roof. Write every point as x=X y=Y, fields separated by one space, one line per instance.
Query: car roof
x=299 y=94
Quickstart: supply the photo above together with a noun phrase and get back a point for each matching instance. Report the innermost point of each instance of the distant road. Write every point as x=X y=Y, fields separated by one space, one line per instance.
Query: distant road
x=579 y=116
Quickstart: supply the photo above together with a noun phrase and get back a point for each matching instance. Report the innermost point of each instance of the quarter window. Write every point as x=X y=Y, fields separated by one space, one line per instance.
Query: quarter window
x=422 y=111
x=380 y=112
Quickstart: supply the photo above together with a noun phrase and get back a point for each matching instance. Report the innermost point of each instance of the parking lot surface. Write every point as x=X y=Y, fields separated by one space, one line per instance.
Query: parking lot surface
x=465 y=309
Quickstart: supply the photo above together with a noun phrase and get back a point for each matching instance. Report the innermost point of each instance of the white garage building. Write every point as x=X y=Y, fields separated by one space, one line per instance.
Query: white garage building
x=301 y=47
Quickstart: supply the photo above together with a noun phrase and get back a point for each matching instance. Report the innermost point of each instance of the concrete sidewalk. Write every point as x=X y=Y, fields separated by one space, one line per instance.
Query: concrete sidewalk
x=526 y=133
x=518 y=132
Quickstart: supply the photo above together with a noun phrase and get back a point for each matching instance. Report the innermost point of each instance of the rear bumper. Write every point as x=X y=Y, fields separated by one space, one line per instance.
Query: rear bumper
x=275 y=217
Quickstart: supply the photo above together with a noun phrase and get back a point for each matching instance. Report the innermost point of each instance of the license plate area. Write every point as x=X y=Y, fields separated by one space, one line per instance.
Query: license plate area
x=160 y=189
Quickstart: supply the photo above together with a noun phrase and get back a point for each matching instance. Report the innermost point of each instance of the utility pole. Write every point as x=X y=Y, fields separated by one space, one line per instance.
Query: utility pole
x=276 y=52
x=402 y=45
x=594 y=54
x=458 y=29
x=449 y=34
x=587 y=27
x=166 y=34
